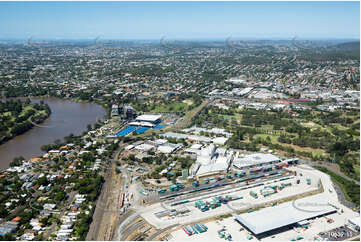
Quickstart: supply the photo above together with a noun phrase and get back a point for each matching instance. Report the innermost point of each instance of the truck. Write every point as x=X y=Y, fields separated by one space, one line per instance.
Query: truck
x=180 y=186
x=161 y=191
x=173 y=188
x=176 y=187
x=195 y=183
x=219 y=178
x=253 y=194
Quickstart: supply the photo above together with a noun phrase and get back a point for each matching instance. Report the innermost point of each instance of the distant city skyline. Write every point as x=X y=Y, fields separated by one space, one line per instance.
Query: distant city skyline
x=179 y=20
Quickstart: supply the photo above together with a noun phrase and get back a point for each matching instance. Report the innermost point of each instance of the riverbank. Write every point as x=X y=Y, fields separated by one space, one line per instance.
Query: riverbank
x=68 y=117
x=78 y=100
x=17 y=117
x=74 y=99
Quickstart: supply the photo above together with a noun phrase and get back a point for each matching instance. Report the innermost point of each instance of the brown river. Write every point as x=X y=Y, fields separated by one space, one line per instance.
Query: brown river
x=66 y=117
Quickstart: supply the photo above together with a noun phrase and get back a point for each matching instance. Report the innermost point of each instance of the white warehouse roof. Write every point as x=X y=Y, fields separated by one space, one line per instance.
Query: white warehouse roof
x=255 y=159
x=144 y=147
x=271 y=218
x=149 y=118
x=220 y=140
x=221 y=164
x=186 y=136
x=145 y=124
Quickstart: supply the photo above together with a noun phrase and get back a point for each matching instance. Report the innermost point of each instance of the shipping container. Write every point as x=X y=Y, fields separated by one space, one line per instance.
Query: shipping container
x=195 y=184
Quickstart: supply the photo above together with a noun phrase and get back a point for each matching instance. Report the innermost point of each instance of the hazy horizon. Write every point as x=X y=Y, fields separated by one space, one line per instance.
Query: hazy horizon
x=44 y=39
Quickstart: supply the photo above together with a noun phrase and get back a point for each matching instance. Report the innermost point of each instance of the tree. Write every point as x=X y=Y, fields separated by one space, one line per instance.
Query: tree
x=339 y=148
x=42 y=181
x=17 y=161
x=60 y=196
x=3 y=212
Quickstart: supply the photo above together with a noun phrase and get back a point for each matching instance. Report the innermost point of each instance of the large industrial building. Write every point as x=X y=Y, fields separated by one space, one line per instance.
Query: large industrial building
x=147 y=120
x=154 y=119
x=211 y=161
x=271 y=220
x=254 y=160
x=196 y=138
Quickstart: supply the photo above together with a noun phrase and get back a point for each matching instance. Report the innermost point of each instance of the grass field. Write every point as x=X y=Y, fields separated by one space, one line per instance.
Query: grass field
x=237 y=116
x=174 y=107
x=25 y=109
x=357 y=170
x=310 y=124
x=304 y=151
x=297 y=148
x=272 y=137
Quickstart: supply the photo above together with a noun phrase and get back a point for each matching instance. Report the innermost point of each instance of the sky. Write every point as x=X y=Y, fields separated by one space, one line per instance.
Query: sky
x=179 y=20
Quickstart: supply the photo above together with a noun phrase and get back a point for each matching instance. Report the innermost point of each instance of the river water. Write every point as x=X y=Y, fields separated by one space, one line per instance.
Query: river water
x=66 y=117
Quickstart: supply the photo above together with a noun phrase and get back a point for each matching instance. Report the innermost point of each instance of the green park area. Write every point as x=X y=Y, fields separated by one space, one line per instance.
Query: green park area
x=16 y=117
x=172 y=107
x=313 y=135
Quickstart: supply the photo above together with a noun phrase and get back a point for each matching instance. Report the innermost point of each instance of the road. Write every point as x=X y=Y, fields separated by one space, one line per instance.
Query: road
x=328 y=166
x=342 y=199
x=340 y=194
x=189 y=115
x=54 y=226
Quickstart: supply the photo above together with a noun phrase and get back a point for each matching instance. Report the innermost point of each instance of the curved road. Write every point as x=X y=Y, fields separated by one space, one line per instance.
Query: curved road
x=342 y=199
x=327 y=165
